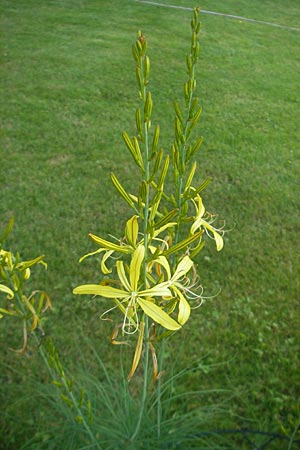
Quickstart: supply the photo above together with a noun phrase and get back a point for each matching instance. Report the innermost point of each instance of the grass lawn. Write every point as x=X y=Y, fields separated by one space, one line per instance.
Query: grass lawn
x=67 y=92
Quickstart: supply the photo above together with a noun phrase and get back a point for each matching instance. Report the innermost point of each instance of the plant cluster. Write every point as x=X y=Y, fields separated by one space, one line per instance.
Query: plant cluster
x=149 y=273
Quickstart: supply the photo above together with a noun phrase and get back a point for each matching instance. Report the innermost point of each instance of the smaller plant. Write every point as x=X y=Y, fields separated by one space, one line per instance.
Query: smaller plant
x=29 y=309
x=14 y=273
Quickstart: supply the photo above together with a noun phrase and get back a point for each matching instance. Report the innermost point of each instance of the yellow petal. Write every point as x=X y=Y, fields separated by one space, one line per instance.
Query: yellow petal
x=97 y=289
x=218 y=238
x=7 y=291
x=184 y=308
x=163 y=228
x=122 y=275
x=92 y=253
x=25 y=264
x=162 y=260
x=158 y=315
x=183 y=267
x=7 y=312
x=131 y=230
x=110 y=245
x=103 y=266
x=135 y=266
x=199 y=215
x=138 y=351
x=160 y=290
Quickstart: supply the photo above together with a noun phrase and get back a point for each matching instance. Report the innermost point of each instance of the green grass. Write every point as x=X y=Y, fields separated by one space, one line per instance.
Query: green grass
x=68 y=91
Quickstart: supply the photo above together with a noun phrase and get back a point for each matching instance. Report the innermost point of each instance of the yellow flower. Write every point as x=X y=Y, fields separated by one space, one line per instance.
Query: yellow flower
x=131 y=238
x=130 y=298
x=200 y=222
x=174 y=284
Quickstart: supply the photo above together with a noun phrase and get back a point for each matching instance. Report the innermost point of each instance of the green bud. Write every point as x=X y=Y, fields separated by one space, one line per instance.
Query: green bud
x=175 y=156
x=163 y=174
x=139 y=47
x=146 y=69
x=155 y=205
x=138 y=154
x=189 y=64
x=200 y=188
x=155 y=141
x=148 y=106
x=193 y=107
x=122 y=191
x=193 y=149
x=178 y=130
x=143 y=191
x=135 y=54
x=190 y=177
x=178 y=112
x=138 y=120
x=82 y=395
x=194 y=121
x=66 y=400
x=194 y=38
x=186 y=92
x=157 y=162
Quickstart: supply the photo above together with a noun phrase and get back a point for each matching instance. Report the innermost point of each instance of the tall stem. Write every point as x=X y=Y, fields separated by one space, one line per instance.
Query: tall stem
x=145 y=233
x=159 y=403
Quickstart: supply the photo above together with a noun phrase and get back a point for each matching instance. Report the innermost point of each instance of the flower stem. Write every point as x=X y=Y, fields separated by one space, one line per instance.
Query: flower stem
x=146 y=177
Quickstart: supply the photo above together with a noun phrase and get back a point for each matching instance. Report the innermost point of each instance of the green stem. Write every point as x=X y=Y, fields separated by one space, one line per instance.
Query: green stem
x=145 y=232
x=159 y=403
x=145 y=385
